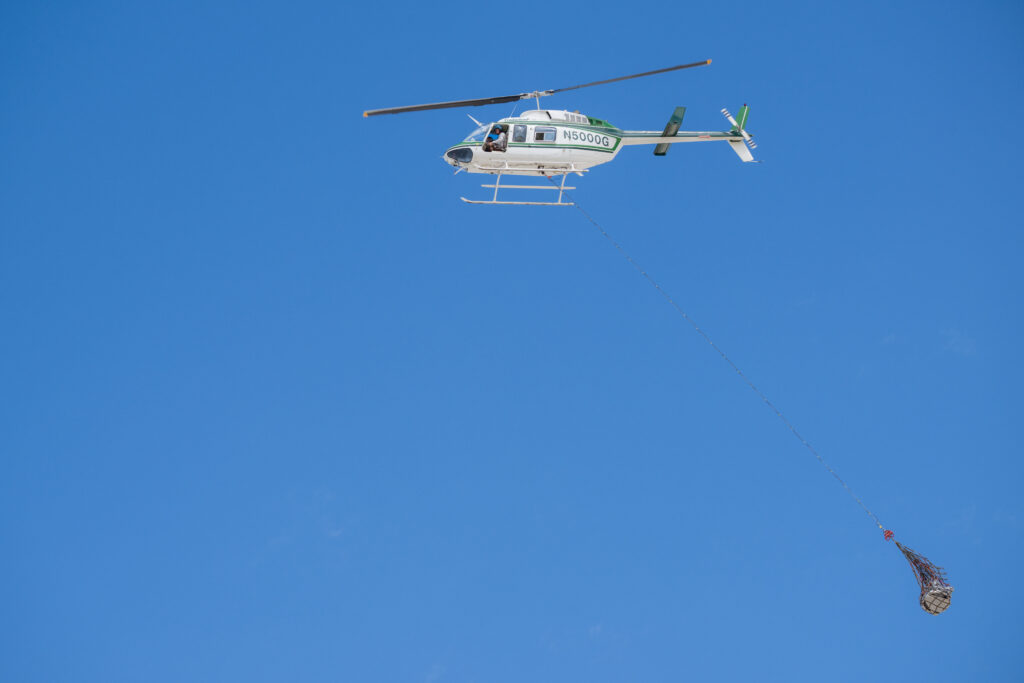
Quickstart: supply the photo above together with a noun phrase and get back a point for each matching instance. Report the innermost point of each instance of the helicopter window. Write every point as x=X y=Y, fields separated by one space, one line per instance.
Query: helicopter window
x=497 y=138
x=478 y=134
x=519 y=133
x=544 y=134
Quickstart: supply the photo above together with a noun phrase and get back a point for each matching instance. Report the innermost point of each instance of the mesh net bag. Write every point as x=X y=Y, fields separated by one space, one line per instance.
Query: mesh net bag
x=936 y=593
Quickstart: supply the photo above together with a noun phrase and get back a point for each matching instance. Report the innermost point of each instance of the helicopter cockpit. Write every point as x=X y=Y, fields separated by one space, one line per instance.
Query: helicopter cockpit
x=497 y=139
x=490 y=137
x=478 y=133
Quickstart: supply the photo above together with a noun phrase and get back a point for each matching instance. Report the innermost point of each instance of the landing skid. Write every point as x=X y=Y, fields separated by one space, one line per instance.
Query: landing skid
x=498 y=186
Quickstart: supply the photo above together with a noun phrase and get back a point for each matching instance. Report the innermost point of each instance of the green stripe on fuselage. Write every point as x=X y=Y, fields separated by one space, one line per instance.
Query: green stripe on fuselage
x=546 y=145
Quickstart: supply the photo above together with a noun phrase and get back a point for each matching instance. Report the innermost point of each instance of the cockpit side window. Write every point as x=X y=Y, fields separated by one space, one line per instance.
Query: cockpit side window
x=544 y=134
x=518 y=133
x=497 y=138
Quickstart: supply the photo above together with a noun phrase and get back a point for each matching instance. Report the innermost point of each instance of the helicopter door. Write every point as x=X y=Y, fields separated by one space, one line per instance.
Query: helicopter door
x=496 y=141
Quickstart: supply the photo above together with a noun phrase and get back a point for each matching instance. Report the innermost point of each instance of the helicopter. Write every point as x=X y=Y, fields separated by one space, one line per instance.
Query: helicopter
x=551 y=142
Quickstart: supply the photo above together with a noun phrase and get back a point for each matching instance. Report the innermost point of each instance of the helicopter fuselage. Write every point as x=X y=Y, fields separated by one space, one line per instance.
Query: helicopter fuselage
x=551 y=142
x=538 y=142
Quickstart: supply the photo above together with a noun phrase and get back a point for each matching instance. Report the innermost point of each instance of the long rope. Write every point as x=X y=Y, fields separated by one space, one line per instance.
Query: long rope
x=701 y=332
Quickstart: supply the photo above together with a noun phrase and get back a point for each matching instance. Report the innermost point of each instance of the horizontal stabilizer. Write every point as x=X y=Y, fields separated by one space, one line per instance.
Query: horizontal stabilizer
x=671 y=128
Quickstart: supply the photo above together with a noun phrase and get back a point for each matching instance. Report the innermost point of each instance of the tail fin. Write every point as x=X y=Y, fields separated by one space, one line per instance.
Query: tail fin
x=739 y=129
x=740 y=122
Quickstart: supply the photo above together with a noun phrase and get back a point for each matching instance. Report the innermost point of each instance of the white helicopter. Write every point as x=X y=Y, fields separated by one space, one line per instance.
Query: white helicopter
x=549 y=142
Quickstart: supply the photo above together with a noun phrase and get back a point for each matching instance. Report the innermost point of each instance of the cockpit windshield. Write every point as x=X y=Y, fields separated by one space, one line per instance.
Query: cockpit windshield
x=478 y=134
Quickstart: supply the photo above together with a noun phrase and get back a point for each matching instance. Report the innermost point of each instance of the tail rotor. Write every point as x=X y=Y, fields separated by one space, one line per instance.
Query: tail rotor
x=738 y=126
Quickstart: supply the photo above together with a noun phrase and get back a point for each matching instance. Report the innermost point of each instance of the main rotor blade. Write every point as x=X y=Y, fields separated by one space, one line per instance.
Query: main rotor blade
x=626 y=78
x=448 y=105
x=520 y=96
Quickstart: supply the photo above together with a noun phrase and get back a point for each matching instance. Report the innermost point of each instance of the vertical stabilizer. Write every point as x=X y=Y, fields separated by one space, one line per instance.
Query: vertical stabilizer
x=741 y=119
x=739 y=127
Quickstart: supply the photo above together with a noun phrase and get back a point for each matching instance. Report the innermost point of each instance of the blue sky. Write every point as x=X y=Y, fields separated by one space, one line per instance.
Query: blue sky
x=277 y=406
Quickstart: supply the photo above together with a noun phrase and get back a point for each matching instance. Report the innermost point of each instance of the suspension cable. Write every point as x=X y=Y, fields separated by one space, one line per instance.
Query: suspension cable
x=718 y=349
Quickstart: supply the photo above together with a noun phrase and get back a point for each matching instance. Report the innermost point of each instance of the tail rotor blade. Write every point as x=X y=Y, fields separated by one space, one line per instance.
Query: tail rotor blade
x=746 y=136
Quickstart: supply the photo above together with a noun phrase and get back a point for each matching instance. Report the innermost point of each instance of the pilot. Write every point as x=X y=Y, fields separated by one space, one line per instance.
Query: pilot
x=497 y=141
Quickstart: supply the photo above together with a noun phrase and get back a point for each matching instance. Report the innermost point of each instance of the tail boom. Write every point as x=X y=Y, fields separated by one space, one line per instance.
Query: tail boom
x=737 y=137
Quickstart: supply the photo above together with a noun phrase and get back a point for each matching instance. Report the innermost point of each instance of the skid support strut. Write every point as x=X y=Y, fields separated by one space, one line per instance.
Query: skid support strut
x=498 y=186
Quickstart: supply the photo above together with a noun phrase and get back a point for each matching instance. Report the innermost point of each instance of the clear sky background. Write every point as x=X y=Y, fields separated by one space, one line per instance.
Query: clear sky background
x=277 y=406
